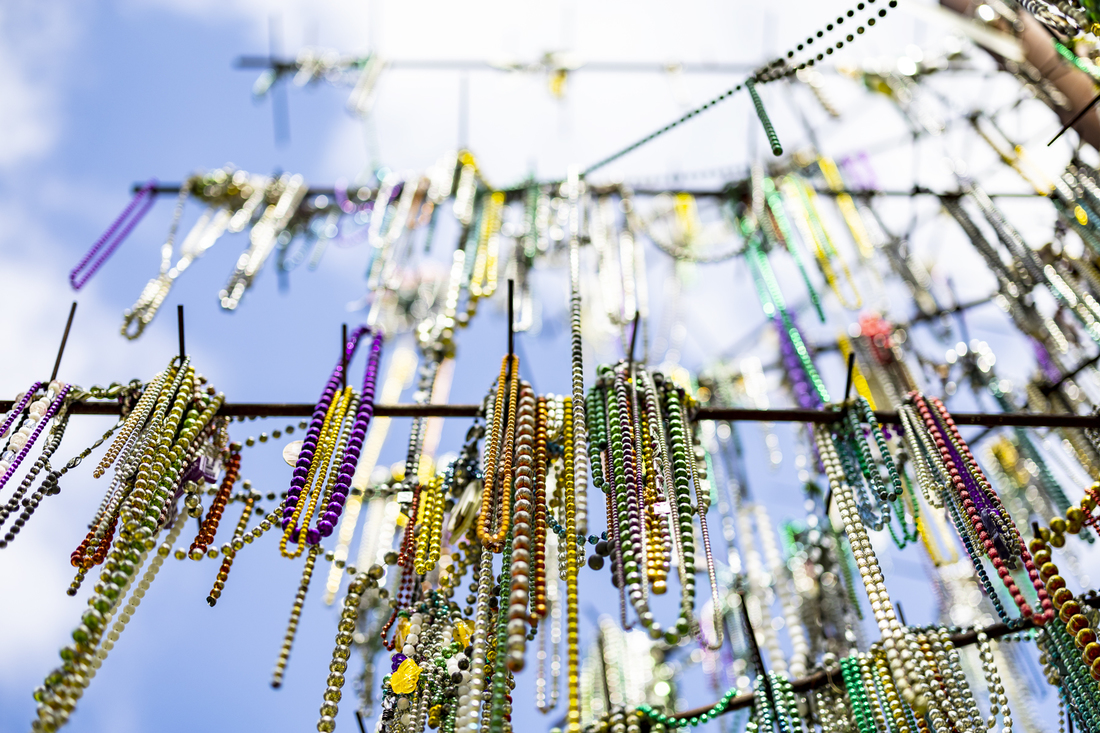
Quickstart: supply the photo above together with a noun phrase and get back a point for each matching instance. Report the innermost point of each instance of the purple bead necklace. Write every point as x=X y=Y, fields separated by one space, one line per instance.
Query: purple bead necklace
x=54 y=406
x=18 y=409
x=339 y=495
x=313 y=433
x=110 y=241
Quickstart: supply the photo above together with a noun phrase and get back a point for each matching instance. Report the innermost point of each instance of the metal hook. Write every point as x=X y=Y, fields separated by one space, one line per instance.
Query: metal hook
x=851 y=369
x=344 y=356
x=511 y=317
x=179 y=318
x=64 y=340
x=758 y=660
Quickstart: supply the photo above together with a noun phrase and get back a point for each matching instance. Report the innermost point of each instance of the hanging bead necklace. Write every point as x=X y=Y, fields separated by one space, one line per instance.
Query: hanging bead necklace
x=499 y=457
x=897 y=643
x=801 y=201
x=991 y=525
x=766 y=190
x=626 y=494
x=1076 y=623
x=145 y=511
x=60 y=411
x=140 y=446
x=309 y=474
x=398 y=373
x=522 y=519
x=810 y=389
x=20 y=442
x=300 y=507
x=238 y=542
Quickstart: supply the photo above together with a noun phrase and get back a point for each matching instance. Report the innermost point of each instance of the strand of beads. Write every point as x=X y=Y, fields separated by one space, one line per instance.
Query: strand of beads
x=229 y=550
x=890 y=707
x=624 y=510
x=49 y=486
x=305 y=464
x=339 y=664
x=498 y=479
x=520 y=565
x=998 y=701
x=295 y=617
x=429 y=526
x=857 y=694
x=702 y=502
x=499 y=701
x=21 y=402
x=660 y=508
x=137 y=418
x=302 y=499
x=572 y=635
x=143 y=586
x=53 y=441
x=580 y=429
x=656 y=563
x=209 y=527
x=968 y=494
x=681 y=483
x=539 y=598
x=910 y=682
x=1069 y=609
x=22 y=440
x=470 y=693
x=931 y=474
x=337 y=496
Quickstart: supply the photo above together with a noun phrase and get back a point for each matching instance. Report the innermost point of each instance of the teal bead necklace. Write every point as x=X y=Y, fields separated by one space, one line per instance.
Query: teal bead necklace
x=774 y=305
x=786 y=235
x=857 y=694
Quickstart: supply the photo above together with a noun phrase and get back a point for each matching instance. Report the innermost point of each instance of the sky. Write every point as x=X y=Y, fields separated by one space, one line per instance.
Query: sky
x=99 y=96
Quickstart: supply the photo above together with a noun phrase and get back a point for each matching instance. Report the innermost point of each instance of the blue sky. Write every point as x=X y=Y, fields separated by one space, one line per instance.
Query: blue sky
x=97 y=96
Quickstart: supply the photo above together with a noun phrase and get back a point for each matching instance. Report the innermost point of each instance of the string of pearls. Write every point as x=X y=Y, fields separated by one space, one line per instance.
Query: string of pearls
x=998 y=701
x=781 y=583
x=470 y=693
x=907 y=665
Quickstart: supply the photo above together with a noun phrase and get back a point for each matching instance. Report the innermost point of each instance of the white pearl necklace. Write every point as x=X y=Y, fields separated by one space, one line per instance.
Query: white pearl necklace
x=35 y=411
x=470 y=691
x=781 y=582
x=907 y=664
x=998 y=701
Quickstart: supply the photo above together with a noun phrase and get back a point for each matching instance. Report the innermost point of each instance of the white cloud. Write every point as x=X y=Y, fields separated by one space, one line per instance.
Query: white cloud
x=33 y=37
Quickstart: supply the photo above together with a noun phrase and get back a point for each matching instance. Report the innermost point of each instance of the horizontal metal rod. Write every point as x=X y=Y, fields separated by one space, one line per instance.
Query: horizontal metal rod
x=287 y=66
x=298 y=409
x=725 y=414
x=833 y=676
x=171 y=189
x=1016 y=419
